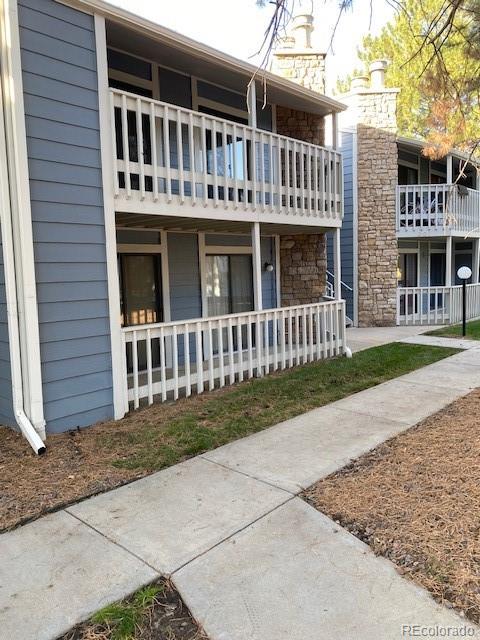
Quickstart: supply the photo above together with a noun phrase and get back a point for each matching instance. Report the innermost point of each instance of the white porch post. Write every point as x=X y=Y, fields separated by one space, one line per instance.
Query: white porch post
x=334 y=131
x=257 y=267
x=119 y=373
x=476 y=260
x=448 y=262
x=337 y=265
x=449 y=169
x=252 y=104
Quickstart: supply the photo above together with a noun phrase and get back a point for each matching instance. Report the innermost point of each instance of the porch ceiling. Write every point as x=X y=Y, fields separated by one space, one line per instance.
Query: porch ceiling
x=173 y=50
x=173 y=223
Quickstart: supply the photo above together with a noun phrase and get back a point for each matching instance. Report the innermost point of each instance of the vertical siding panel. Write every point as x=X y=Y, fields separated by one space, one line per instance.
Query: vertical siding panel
x=185 y=296
x=269 y=293
x=63 y=142
x=346 y=233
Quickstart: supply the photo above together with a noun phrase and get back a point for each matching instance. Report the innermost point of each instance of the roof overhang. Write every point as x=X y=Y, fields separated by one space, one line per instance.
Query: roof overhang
x=207 y=62
x=418 y=144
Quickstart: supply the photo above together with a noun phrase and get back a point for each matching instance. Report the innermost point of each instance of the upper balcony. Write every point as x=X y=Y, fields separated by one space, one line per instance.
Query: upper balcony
x=180 y=162
x=197 y=134
x=437 y=210
x=436 y=198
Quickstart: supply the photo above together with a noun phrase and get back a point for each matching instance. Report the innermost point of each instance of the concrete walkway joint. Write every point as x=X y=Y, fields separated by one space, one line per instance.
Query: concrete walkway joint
x=252 y=561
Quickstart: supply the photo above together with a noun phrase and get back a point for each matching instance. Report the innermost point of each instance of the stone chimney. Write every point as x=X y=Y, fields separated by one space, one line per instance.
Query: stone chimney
x=295 y=58
x=303 y=259
x=371 y=114
x=377 y=74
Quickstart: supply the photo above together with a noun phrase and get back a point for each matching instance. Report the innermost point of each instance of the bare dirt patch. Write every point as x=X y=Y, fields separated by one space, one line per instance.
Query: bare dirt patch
x=416 y=500
x=156 y=612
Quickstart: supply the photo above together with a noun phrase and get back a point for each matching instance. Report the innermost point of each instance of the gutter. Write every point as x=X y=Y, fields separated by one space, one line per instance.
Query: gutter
x=17 y=243
x=26 y=427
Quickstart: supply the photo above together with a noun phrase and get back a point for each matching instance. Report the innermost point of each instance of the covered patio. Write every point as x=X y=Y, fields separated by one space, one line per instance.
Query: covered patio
x=208 y=303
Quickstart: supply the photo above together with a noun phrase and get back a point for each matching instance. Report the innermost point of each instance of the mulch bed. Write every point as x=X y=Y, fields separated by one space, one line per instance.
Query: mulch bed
x=82 y=463
x=77 y=464
x=167 y=618
x=416 y=500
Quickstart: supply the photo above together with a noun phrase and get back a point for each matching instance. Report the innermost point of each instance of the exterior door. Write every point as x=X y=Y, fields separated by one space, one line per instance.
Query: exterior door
x=229 y=281
x=408 y=266
x=140 y=289
x=438 y=270
x=141 y=300
x=229 y=289
x=407 y=263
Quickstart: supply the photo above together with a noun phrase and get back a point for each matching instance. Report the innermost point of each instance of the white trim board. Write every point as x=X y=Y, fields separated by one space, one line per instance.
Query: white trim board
x=211 y=249
x=120 y=401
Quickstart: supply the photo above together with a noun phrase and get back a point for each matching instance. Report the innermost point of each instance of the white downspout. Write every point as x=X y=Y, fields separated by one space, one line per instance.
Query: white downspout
x=9 y=188
x=23 y=422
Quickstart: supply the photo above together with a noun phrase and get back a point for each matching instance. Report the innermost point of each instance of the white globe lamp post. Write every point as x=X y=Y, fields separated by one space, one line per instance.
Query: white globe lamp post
x=464 y=273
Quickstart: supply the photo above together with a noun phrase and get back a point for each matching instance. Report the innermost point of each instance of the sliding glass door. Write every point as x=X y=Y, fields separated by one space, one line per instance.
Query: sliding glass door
x=408 y=267
x=229 y=284
x=229 y=289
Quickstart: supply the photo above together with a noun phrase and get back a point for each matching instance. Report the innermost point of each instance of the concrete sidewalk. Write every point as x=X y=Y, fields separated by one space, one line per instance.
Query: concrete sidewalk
x=365 y=338
x=252 y=561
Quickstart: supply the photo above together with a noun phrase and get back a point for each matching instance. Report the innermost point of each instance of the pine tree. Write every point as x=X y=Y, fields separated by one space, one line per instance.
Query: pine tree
x=439 y=98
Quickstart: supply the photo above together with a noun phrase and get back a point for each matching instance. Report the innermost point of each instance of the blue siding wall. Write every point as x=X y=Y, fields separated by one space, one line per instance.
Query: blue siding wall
x=6 y=411
x=346 y=233
x=61 y=106
x=185 y=296
x=269 y=294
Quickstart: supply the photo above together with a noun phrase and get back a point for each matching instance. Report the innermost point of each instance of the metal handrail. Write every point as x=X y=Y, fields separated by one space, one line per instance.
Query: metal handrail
x=343 y=284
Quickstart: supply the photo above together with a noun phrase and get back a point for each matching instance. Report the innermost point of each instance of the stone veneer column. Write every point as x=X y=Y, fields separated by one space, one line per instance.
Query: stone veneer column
x=373 y=111
x=301 y=125
x=303 y=257
x=303 y=268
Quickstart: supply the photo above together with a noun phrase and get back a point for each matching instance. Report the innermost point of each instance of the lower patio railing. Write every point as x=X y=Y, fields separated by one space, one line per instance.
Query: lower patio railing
x=436 y=305
x=162 y=360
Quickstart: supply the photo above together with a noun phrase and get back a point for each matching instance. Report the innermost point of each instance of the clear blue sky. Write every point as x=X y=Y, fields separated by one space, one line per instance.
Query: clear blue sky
x=237 y=26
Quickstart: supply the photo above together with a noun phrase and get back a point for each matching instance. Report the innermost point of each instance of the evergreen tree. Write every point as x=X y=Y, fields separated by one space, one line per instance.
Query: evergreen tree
x=439 y=98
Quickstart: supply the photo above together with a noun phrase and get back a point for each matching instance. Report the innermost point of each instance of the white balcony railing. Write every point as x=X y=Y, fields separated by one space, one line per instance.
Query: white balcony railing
x=437 y=207
x=162 y=359
x=436 y=305
x=164 y=154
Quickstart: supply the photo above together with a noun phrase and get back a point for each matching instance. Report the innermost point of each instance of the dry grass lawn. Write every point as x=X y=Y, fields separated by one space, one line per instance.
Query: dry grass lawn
x=416 y=500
